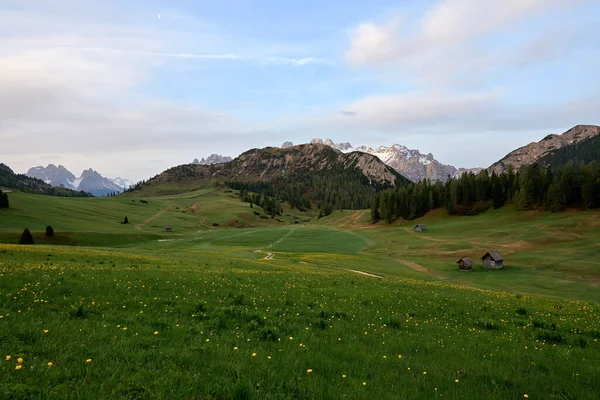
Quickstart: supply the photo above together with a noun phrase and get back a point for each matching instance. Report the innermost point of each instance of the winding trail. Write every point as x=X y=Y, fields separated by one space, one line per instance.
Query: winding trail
x=420 y=268
x=271 y=256
x=152 y=218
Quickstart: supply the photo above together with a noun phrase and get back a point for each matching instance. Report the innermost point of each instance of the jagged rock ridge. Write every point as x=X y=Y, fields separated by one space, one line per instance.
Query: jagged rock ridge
x=212 y=159
x=90 y=181
x=409 y=163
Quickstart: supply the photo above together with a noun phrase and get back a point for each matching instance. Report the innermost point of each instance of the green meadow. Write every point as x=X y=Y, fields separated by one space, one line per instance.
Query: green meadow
x=235 y=305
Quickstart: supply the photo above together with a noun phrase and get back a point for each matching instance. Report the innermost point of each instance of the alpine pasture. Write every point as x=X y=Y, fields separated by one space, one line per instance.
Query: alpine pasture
x=234 y=305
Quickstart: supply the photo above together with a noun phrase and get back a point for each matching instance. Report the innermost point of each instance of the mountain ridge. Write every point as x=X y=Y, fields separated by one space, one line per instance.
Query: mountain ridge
x=408 y=162
x=535 y=151
x=89 y=181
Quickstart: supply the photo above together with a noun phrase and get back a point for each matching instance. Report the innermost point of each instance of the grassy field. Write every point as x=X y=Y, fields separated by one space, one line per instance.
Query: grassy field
x=260 y=308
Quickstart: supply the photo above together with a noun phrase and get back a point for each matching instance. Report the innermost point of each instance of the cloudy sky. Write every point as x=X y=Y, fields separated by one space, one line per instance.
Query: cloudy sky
x=133 y=87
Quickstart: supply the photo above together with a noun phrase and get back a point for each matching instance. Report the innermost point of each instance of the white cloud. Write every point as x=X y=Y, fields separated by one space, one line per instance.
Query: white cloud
x=448 y=44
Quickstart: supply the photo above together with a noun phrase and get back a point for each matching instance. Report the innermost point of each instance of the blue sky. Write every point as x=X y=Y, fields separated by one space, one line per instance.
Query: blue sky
x=131 y=88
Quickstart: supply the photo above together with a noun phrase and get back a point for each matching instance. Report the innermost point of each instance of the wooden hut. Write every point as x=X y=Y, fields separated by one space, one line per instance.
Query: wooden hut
x=168 y=228
x=493 y=259
x=420 y=228
x=465 y=264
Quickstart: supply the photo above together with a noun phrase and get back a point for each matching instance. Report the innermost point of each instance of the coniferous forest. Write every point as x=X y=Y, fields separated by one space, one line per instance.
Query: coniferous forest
x=575 y=185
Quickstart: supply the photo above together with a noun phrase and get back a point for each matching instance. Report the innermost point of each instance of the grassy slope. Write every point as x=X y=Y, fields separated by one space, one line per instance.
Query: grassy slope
x=202 y=283
x=161 y=324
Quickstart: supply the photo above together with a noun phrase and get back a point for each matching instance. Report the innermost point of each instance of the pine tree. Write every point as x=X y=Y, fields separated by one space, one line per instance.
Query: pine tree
x=497 y=196
x=126 y=220
x=375 y=217
x=49 y=231
x=3 y=200
x=26 y=237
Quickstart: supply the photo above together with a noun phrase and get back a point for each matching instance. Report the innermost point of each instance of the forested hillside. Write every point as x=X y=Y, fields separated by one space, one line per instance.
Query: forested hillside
x=533 y=187
x=581 y=152
x=329 y=190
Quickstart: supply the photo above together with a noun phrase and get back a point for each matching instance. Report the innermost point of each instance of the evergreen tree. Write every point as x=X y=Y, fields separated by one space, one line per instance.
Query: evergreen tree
x=3 y=200
x=126 y=220
x=375 y=217
x=497 y=195
x=49 y=231
x=26 y=237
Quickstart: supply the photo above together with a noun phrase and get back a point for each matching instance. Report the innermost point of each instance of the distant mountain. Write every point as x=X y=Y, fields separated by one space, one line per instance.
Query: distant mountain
x=212 y=159
x=574 y=143
x=285 y=145
x=272 y=162
x=409 y=163
x=53 y=175
x=90 y=181
x=24 y=183
x=121 y=182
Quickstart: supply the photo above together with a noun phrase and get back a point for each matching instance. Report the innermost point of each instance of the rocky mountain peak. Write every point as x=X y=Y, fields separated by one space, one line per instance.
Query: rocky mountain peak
x=90 y=181
x=532 y=152
x=408 y=162
x=287 y=145
x=212 y=159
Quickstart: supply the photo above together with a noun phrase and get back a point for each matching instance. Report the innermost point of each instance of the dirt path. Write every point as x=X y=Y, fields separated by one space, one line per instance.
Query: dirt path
x=364 y=273
x=353 y=219
x=152 y=218
x=420 y=268
x=269 y=256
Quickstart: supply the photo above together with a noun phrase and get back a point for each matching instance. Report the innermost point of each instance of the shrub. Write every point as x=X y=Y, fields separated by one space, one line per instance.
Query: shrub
x=26 y=237
x=126 y=220
x=49 y=231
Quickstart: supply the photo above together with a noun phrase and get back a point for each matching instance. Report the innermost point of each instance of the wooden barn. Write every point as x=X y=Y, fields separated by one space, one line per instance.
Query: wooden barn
x=465 y=264
x=420 y=228
x=168 y=228
x=493 y=259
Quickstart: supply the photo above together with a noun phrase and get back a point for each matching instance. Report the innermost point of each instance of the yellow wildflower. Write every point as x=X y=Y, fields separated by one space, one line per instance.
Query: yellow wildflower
x=50 y=364
x=18 y=367
x=89 y=361
x=308 y=371
x=8 y=358
x=20 y=360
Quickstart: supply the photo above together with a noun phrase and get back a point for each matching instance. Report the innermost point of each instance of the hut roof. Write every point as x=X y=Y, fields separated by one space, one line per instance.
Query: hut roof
x=420 y=226
x=466 y=260
x=495 y=255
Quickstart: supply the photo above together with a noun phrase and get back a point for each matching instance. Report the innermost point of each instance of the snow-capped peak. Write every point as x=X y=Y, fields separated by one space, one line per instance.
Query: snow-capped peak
x=408 y=162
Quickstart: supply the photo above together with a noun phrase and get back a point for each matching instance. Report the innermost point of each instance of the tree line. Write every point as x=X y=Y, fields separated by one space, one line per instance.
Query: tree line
x=575 y=185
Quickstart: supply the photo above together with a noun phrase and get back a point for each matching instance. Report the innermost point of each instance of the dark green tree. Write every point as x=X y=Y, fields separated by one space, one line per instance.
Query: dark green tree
x=49 y=231
x=26 y=237
x=375 y=216
x=126 y=220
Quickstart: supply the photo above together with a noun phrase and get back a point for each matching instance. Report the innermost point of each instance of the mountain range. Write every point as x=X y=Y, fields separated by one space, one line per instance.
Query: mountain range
x=24 y=183
x=408 y=162
x=212 y=159
x=89 y=181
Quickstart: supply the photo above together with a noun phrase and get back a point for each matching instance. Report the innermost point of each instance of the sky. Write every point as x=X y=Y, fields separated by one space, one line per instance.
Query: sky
x=131 y=88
